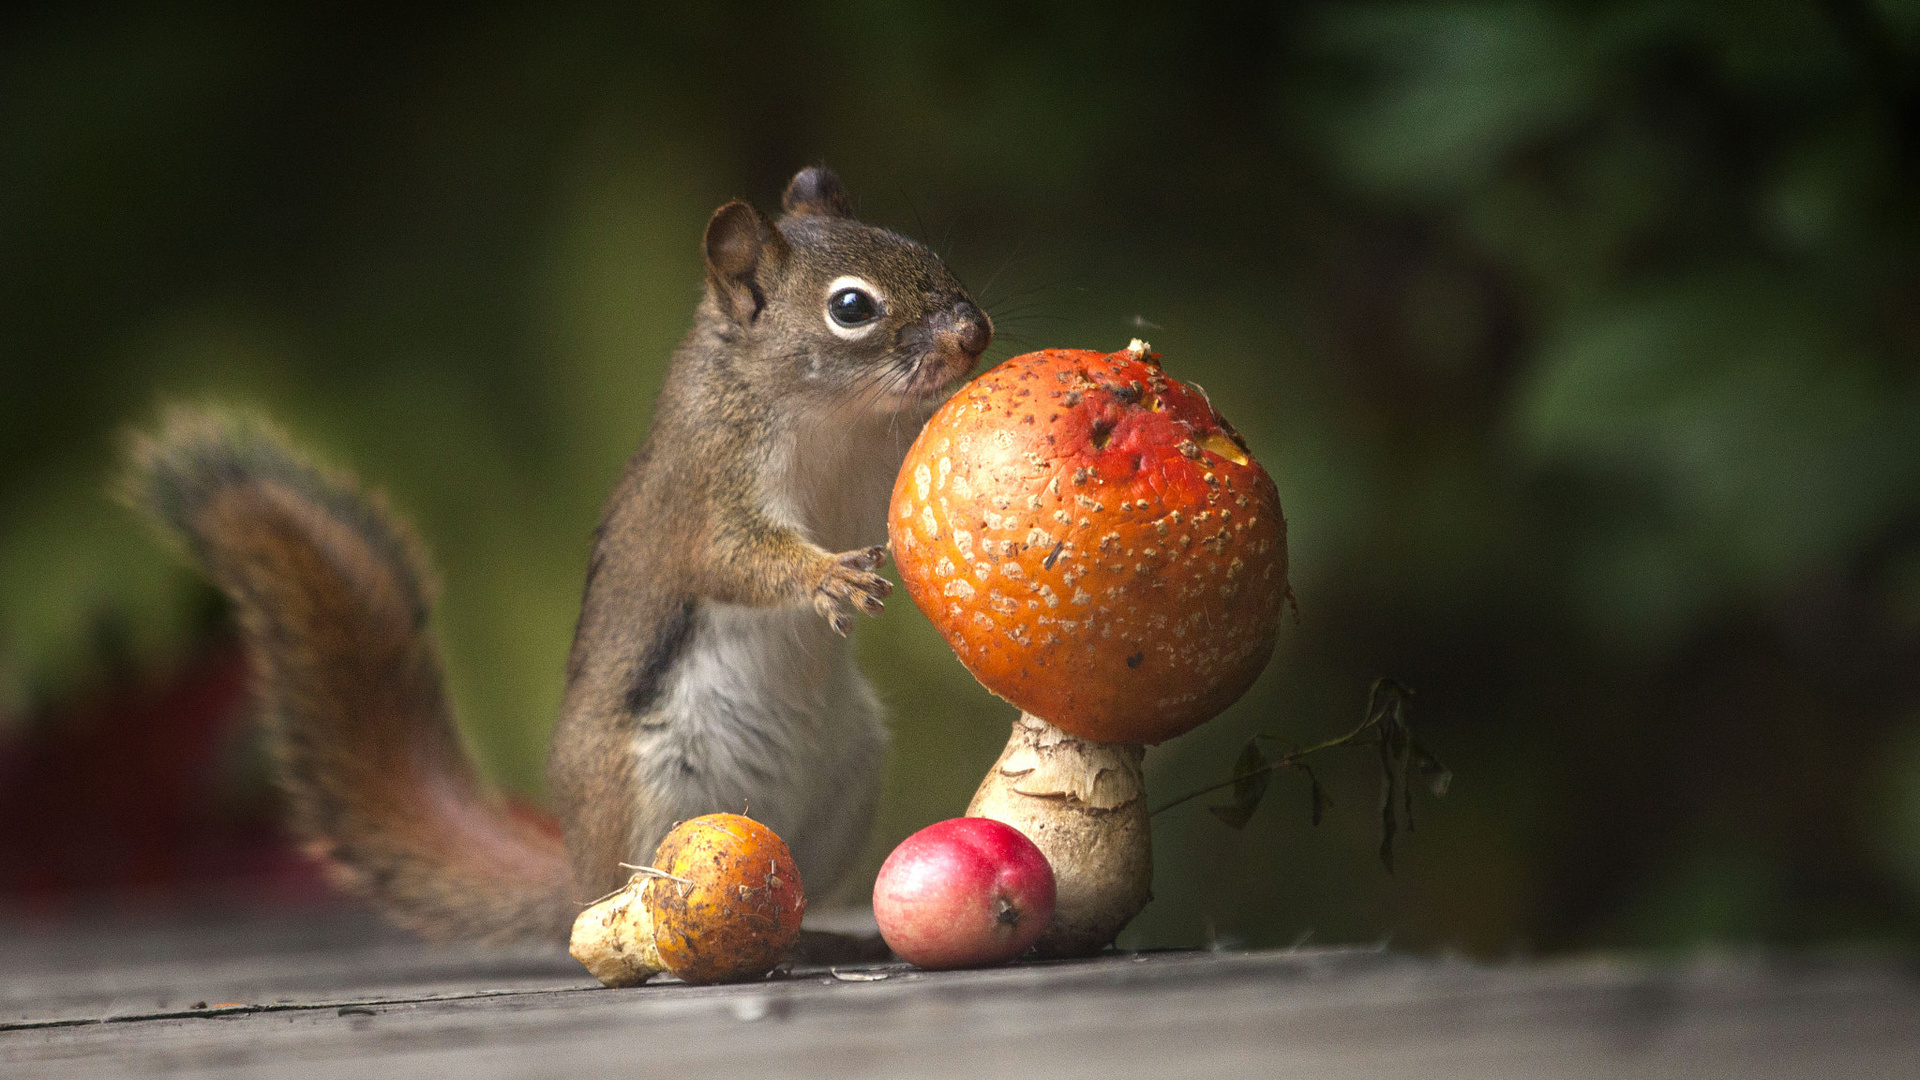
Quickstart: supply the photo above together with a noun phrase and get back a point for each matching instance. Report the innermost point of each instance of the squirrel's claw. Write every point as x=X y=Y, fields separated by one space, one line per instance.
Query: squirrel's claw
x=842 y=624
x=869 y=558
x=849 y=581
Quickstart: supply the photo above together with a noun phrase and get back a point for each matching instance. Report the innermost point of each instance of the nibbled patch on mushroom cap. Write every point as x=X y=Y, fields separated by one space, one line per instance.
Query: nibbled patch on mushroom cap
x=1128 y=556
x=729 y=903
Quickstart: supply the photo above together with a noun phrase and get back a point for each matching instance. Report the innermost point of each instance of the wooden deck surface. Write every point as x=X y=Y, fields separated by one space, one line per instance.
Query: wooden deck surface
x=336 y=997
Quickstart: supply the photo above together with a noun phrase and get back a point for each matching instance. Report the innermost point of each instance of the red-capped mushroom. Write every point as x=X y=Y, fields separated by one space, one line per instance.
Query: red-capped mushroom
x=1099 y=548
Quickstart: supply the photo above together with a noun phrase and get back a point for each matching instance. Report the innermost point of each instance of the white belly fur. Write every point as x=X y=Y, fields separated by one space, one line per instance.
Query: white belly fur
x=766 y=714
x=765 y=711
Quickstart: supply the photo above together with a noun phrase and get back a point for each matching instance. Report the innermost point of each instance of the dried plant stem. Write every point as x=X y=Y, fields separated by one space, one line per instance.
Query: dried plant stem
x=1292 y=759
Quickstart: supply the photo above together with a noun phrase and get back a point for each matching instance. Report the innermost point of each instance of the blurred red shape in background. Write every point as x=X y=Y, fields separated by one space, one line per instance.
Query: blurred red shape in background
x=138 y=793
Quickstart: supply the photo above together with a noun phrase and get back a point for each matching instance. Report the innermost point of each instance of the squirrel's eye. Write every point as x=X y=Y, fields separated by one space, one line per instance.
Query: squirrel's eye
x=852 y=307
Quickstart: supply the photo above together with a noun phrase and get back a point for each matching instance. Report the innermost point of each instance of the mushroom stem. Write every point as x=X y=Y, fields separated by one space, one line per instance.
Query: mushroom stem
x=1084 y=804
x=614 y=938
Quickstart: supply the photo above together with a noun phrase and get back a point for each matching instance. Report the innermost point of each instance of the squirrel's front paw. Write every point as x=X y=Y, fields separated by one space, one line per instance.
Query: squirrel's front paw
x=849 y=581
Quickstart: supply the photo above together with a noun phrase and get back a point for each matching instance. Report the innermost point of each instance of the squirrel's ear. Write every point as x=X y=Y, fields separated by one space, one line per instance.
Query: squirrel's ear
x=816 y=190
x=741 y=246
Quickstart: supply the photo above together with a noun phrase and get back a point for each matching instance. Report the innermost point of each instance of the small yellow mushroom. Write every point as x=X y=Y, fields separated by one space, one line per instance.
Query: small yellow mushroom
x=721 y=903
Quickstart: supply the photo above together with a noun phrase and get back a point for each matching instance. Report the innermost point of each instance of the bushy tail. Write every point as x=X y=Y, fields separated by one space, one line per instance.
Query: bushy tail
x=332 y=602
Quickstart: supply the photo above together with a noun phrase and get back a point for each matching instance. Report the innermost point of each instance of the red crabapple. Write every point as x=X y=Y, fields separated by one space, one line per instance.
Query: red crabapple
x=967 y=892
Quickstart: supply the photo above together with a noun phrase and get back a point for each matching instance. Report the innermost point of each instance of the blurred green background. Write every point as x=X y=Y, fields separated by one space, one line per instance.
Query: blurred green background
x=1582 y=339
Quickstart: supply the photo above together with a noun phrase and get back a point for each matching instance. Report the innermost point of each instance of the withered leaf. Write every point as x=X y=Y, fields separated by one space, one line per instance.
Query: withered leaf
x=1251 y=774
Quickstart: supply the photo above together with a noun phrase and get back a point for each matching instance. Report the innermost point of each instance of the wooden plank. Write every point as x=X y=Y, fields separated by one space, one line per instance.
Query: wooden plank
x=1330 y=1014
x=118 y=969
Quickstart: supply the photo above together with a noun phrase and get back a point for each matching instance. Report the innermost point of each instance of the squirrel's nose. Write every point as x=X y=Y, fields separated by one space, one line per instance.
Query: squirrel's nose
x=969 y=329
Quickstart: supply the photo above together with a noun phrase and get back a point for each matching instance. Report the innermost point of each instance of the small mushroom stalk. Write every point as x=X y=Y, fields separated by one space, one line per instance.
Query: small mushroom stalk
x=1084 y=805
x=614 y=938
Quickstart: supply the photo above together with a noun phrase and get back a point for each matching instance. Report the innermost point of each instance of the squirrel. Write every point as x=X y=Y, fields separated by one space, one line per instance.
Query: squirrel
x=709 y=669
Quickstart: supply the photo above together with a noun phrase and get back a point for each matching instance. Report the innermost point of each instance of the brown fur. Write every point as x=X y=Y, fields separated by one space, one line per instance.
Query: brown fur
x=713 y=511
x=346 y=676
